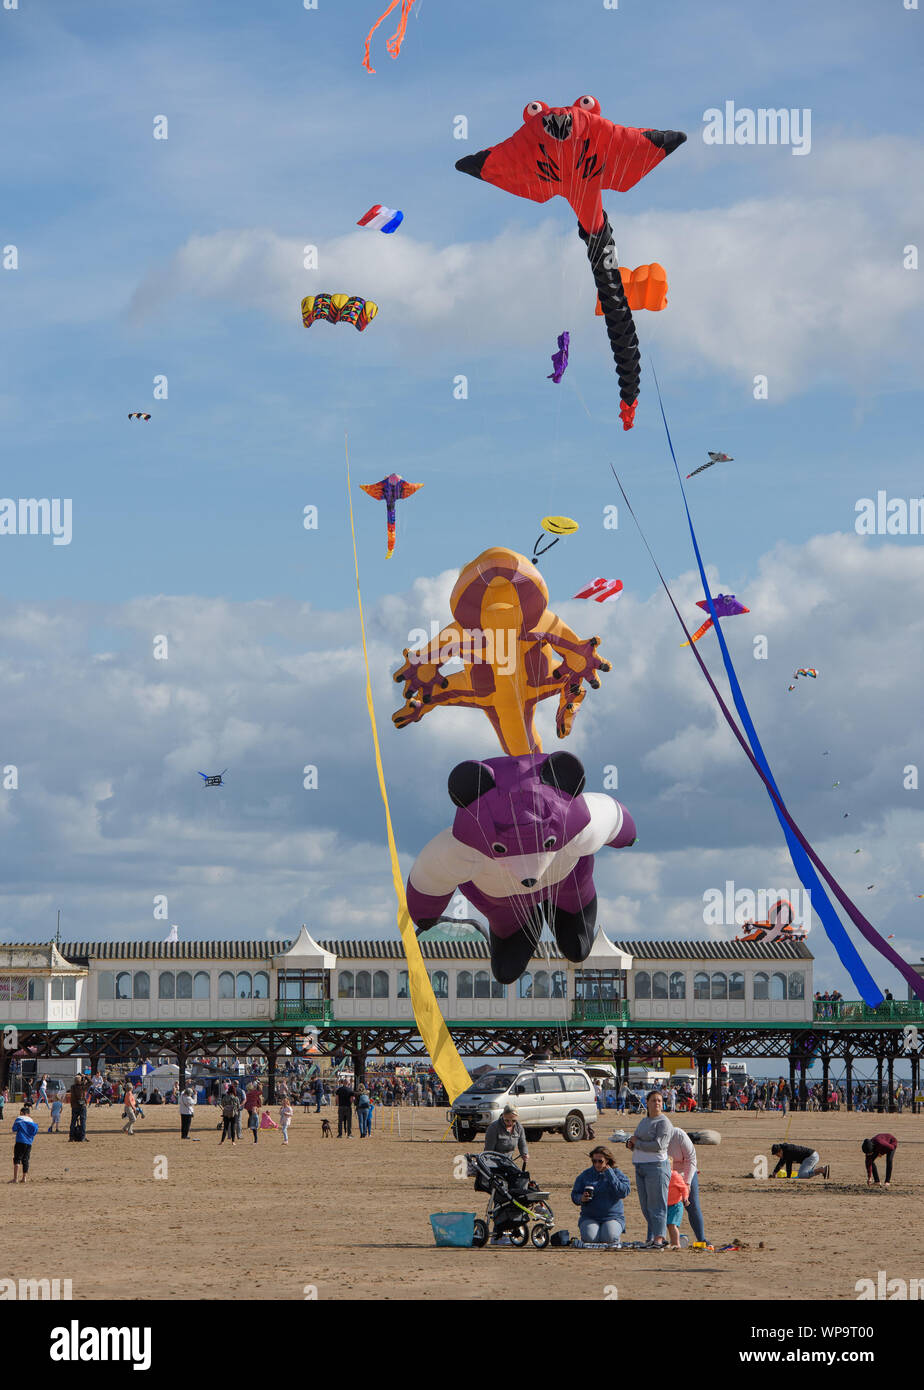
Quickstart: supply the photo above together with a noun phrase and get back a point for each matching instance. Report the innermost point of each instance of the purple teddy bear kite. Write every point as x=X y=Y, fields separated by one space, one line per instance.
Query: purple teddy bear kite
x=521 y=851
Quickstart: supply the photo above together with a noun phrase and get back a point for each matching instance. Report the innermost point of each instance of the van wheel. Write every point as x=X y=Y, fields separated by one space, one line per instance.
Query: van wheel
x=534 y=1135
x=480 y=1233
x=463 y=1132
x=575 y=1128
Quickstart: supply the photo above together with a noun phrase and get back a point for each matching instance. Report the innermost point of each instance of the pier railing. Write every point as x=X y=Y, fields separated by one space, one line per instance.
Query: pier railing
x=854 y=1011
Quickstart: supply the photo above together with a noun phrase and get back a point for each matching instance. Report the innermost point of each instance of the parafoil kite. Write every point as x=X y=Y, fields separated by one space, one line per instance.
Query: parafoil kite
x=381 y=219
x=138 y=415
x=601 y=590
x=520 y=849
x=339 y=308
x=645 y=287
x=574 y=152
x=726 y=606
x=556 y=526
x=514 y=649
x=713 y=459
x=560 y=358
x=391 y=491
x=397 y=39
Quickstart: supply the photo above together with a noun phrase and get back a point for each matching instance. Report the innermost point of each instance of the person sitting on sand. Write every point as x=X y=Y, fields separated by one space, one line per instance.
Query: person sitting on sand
x=807 y=1160
x=598 y=1192
x=880 y=1146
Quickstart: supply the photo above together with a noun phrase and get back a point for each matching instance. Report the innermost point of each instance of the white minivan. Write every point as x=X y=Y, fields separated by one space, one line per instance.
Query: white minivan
x=549 y=1097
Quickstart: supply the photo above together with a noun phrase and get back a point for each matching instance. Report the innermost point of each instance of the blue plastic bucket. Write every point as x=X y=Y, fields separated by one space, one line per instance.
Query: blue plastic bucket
x=453 y=1227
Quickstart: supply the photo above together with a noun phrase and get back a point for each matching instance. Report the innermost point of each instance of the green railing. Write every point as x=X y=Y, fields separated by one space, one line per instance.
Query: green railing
x=303 y=1011
x=853 y=1011
x=613 y=1011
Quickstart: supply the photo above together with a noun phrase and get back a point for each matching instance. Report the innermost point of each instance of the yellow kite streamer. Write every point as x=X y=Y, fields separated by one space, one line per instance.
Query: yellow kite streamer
x=430 y=1022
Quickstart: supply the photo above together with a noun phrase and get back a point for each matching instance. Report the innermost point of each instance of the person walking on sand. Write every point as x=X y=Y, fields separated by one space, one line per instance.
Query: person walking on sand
x=253 y=1121
x=42 y=1097
x=57 y=1105
x=78 y=1095
x=128 y=1109
x=285 y=1118
x=24 y=1131
x=344 y=1111
x=186 y=1105
x=230 y=1115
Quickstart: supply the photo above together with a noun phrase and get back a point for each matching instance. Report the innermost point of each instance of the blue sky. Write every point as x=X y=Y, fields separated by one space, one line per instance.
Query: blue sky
x=183 y=257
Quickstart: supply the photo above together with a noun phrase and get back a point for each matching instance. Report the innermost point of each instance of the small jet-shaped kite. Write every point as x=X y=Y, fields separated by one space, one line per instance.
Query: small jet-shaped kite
x=213 y=780
x=560 y=358
x=391 y=490
x=726 y=606
x=601 y=590
x=713 y=458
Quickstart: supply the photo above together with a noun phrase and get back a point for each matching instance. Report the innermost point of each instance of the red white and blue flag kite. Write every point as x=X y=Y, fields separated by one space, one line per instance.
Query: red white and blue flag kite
x=381 y=219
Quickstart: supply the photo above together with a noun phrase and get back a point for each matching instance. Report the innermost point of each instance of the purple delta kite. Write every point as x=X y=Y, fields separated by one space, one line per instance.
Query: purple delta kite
x=726 y=606
x=391 y=490
x=560 y=358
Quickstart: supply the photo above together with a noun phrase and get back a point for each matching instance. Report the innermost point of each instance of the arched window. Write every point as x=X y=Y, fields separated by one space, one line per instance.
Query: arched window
x=183 y=985
x=363 y=984
x=123 y=985
x=482 y=984
x=498 y=991
x=719 y=985
x=403 y=990
x=778 y=987
x=440 y=982
x=541 y=985
x=345 y=985
x=261 y=985
x=525 y=986
x=141 y=985
x=736 y=985
x=380 y=984
x=659 y=985
x=678 y=985
x=796 y=984
x=166 y=985
x=202 y=985
x=559 y=985
x=700 y=985
x=464 y=985
x=642 y=985
x=226 y=985
x=105 y=985
x=244 y=985
x=761 y=985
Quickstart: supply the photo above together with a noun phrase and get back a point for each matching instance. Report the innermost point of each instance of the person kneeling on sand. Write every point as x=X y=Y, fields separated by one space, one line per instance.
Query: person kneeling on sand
x=807 y=1160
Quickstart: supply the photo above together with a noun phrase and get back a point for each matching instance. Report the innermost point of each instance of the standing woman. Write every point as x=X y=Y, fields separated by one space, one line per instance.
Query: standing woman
x=506 y=1135
x=652 y=1166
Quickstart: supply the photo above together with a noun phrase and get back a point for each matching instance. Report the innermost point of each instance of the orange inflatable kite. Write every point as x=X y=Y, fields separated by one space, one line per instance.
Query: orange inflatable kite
x=645 y=287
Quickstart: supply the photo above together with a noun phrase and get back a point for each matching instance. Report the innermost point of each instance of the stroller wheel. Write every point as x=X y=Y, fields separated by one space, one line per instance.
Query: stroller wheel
x=540 y=1236
x=519 y=1235
x=480 y=1233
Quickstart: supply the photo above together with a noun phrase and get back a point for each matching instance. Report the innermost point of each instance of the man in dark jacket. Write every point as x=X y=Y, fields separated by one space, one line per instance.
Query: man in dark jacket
x=345 y=1096
x=79 y=1092
x=807 y=1159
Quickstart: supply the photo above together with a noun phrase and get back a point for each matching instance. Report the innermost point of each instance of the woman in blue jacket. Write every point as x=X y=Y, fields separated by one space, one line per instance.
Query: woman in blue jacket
x=599 y=1192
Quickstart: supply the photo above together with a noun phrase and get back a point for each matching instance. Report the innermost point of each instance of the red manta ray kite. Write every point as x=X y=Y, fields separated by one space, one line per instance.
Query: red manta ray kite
x=574 y=152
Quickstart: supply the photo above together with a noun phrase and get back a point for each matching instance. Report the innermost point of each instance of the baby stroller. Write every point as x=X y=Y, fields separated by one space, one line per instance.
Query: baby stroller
x=515 y=1204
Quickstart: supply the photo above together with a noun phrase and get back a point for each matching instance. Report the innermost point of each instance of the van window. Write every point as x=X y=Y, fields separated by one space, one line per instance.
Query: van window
x=492 y=1082
x=573 y=1082
x=528 y=1084
x=550 y=1081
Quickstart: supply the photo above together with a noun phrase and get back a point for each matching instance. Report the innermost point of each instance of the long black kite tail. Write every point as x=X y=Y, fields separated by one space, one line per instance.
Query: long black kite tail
x=601 y=252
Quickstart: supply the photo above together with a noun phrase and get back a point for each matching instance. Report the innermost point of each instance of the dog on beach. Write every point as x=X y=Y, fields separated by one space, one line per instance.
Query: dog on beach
x=326 y=1131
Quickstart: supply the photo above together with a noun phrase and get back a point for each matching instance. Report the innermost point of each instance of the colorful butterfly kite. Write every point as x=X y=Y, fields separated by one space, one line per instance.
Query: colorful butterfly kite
x=391 y=490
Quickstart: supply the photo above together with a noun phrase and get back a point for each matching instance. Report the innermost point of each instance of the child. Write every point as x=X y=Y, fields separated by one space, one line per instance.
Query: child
x=253 y=1121
x=57 y=1105
x=678 y=1192
x=4 y=1097
x=24 y=1131
x=285 y=1118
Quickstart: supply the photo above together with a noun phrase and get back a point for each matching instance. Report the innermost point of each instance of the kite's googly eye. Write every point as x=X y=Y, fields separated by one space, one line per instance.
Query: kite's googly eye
x=588 y=104
x=535 y=108
x=499 y=849
x=549 y=843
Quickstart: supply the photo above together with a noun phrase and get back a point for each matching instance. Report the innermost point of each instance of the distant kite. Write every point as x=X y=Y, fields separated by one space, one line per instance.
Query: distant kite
x=835 y=784
x=713 y=458
x=138 y=415
x=391 y=490
x=601 y=590
x=213 y=779
x=381 y=219
x=726 y=606
x=804 y=671
x=339 y=308
x=560 y=358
